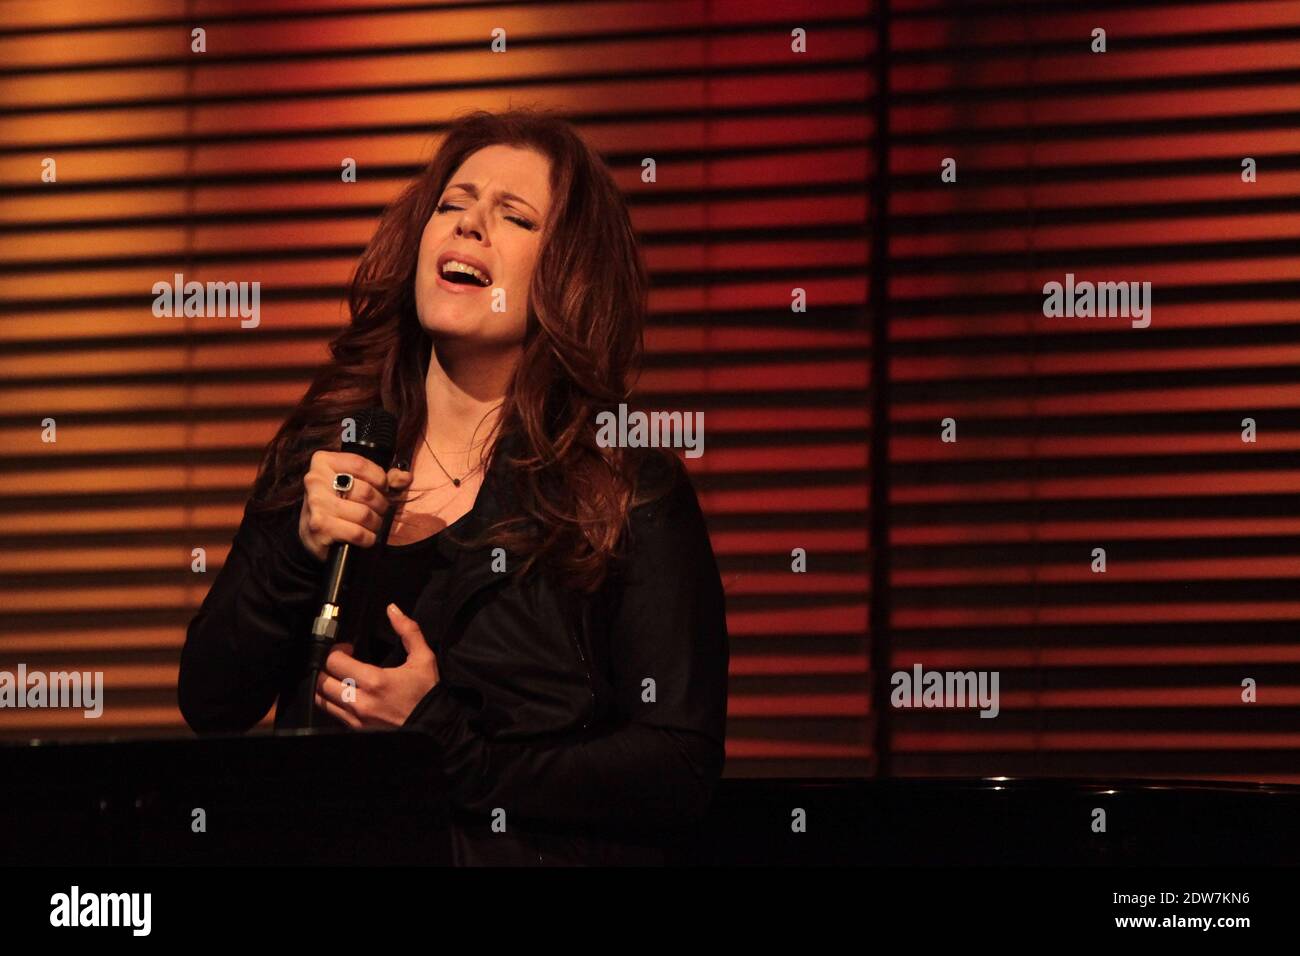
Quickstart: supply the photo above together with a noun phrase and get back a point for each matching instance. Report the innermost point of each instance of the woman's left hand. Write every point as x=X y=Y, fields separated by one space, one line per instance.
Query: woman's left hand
x=379 y=696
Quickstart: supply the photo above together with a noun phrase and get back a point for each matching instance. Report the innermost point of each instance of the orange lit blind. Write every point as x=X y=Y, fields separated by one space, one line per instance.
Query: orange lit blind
x=224 y=165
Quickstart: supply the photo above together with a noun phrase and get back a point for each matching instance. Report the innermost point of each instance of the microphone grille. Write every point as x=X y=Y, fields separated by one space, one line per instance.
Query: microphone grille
x=377 y=427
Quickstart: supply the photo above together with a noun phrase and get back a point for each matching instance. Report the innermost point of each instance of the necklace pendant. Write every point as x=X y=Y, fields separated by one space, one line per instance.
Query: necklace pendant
x=456 y=482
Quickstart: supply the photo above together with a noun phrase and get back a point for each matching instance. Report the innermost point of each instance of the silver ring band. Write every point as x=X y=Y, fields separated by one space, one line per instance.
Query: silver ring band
x=343 y=484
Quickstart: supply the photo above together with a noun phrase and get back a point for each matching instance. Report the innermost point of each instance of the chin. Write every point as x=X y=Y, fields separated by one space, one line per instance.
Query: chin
x=444 y=328
x=472 y=332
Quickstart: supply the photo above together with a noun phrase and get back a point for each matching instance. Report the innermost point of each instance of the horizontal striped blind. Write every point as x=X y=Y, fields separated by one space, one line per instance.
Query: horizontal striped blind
x=1078 y=433
x=225 y=166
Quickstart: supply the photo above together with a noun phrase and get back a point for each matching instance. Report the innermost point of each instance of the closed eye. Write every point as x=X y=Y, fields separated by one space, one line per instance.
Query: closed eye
x=518 y=220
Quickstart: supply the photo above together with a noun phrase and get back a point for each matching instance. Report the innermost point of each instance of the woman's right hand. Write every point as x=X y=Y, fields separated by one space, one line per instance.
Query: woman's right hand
x=326 y=517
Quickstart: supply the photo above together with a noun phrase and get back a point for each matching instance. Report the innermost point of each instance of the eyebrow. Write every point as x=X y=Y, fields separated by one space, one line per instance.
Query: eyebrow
x=501 y=197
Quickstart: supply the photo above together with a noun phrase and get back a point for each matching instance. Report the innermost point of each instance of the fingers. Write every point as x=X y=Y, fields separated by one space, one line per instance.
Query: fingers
x=357 y=519
x=354 y=465
x=341 y=697
x=370 y=482
x=362 y=492
x=410 y=633
x=335 y=528
x=340 y=664
x=398 y=480
x=368 y=696
x=334 y=710
x=362 y=513
x=331 y=688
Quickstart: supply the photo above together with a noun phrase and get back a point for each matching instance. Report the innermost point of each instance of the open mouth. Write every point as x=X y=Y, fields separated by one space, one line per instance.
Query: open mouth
x=459 y=272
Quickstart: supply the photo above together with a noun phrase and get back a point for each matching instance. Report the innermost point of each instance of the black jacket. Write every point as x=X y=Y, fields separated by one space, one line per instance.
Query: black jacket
x=597 y=723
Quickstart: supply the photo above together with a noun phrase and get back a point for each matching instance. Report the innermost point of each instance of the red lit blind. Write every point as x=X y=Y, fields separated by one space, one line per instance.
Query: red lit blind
x=1077 y=433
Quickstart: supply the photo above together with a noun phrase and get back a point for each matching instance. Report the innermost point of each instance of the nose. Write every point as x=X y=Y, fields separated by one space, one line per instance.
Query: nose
x=469 y=225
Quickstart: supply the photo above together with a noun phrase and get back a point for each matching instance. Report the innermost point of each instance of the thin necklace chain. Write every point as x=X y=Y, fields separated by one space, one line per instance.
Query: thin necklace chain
x=452 y=478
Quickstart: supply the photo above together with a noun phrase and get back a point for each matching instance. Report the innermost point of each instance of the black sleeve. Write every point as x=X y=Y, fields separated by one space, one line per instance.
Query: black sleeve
x=661 y=766
x=242 y=639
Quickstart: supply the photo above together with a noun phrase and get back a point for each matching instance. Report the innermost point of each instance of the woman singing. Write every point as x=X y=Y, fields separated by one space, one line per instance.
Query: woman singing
x=549 y=609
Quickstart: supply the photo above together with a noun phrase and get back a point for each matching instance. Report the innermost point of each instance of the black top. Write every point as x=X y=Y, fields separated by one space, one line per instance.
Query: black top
x=400 y=574
x=587 y=714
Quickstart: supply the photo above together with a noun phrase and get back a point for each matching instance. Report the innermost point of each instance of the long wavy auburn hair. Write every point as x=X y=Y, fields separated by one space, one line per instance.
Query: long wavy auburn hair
x=583 y=339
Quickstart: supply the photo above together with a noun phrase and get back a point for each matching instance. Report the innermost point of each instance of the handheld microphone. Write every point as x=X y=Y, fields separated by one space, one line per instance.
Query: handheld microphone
x=376 y=435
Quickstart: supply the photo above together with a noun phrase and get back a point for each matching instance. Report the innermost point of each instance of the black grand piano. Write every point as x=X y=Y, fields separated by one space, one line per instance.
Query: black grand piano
x=379 y=798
